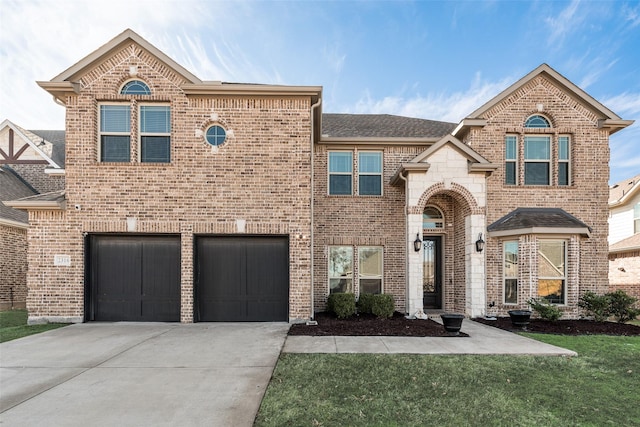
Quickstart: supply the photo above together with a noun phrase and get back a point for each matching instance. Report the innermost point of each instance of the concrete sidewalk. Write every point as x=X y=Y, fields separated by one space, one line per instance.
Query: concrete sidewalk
x=482 y=340
x=139 y=374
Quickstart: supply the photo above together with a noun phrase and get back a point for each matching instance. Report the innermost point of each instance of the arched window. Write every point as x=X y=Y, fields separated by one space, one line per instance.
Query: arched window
x=537 y=121
x=135 y=87
x=432 y=218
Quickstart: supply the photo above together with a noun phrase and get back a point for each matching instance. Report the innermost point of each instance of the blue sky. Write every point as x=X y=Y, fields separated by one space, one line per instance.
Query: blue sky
x=429 y=59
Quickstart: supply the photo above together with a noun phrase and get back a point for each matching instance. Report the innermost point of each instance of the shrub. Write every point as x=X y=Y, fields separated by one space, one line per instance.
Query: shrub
x=342 y=304
x=545 y=309
x=365 y=303
x=383 y=305
x=621 y=306
x=595 y=305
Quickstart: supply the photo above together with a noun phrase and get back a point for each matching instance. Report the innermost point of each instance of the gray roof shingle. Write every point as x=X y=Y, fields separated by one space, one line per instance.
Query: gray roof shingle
x=57 y=139
x=525 y=218
x=13 y=187
x=382 y=126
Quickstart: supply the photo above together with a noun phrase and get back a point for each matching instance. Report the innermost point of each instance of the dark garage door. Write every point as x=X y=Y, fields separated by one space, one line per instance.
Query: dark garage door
x=134 y=278
x=242 y=278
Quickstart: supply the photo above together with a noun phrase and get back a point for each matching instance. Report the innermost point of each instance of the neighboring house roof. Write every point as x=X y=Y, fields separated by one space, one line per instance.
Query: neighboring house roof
x=607 y=118
x=626 y=245
x=49 y=144
x=54 y=200
x=623 y=191
x=381 y=126
x=12 y=187
x=537 y=221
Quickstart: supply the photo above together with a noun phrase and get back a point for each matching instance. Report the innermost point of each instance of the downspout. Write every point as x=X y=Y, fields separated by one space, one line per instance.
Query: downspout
x=406 y=243
x=313 y=107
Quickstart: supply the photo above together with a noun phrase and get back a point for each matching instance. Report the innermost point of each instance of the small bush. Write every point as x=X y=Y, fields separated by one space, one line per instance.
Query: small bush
x=546 y=310
x=595 y=305
x=383 y=305
x=365 y=303
x=342 y=304
x=621 y=306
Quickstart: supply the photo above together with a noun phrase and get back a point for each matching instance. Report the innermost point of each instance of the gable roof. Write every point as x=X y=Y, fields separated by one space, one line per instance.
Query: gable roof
x=537 y=221
x=629 y=244
x=477 y=163
x=609 y=119
x=12 y=187
x=55 y=138
x=381 y=126
x=621 y=192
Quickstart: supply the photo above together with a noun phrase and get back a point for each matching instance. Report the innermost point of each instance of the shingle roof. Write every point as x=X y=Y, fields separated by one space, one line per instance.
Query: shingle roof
x=530 y=218
x=57 y=139
x=628 y=244
x=382 y=126
x=13 y=187
x=620 y=189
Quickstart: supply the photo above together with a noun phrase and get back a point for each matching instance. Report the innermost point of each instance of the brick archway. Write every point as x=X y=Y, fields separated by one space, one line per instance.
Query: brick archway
x=455 y=190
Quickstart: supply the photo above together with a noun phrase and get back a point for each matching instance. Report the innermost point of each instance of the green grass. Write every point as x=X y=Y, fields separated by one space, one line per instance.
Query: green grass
x=599 y=387
x=13 y=324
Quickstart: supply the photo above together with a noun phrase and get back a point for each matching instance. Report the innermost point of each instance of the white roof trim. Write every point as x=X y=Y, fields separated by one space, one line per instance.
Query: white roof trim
x=16 y=129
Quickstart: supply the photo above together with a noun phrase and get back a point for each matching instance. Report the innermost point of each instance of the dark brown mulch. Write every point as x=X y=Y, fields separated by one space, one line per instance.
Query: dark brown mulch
x=370 y=325
x=566 y=327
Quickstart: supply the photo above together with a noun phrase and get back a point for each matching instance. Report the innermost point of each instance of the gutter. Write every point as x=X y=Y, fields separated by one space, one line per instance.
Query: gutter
x=311 y=240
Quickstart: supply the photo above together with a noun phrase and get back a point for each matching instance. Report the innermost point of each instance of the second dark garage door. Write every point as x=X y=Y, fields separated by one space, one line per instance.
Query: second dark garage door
x=242 y=278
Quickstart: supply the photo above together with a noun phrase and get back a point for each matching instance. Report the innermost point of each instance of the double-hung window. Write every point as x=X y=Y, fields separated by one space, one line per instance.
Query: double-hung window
x=369 y=173
x=636 y=218
x=340 y=172
x=511 y=160
x=552 y=270
x=155 y=133
x=370 y=269
x=564 y=173
x=115 y=133
x=340 y=269
x=537 y=160
x=510 y=272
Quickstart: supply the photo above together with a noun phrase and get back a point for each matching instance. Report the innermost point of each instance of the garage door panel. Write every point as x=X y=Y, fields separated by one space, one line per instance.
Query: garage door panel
x=242 y=278
x=134 y=278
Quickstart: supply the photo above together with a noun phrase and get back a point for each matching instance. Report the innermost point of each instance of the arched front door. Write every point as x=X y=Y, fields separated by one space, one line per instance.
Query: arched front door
x=432 y=272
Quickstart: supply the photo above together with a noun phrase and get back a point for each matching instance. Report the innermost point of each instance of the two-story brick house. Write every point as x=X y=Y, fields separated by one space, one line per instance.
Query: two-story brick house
x=189 y=200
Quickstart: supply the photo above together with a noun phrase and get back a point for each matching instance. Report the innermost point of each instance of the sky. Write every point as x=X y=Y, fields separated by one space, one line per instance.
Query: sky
x=437 y=60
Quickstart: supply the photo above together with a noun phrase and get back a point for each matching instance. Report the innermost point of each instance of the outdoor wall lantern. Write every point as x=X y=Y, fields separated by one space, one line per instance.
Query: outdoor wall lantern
x=479 y=243
x=417 y=244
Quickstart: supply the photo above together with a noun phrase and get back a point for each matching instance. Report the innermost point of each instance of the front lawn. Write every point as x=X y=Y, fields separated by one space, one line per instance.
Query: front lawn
x=13 y=324
x=599 y=387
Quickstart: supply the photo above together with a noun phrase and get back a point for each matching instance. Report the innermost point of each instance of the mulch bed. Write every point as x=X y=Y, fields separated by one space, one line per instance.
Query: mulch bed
x=370 y=325
x=567 y=327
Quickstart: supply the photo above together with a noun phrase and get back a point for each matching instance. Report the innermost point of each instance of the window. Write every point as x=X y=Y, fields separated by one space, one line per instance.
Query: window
x=370 y=269
x=552 y=270
x=510 y=272
x=115 y=133
x=511 y=160
x=340 y=172
x=135 y=87
x=537 y=121
x=563 y=160
x=216 y=135
x=636 y=218
x=369 y=173
x=155 y=134
x=537 y=160
x=432 y=218
x=340 y=269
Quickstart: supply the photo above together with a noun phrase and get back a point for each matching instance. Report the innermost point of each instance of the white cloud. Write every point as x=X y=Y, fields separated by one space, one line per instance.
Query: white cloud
x=624 y=104
x=563 y=24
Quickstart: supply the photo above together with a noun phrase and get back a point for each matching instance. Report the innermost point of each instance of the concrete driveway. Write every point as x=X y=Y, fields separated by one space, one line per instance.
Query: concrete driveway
x=139 y=374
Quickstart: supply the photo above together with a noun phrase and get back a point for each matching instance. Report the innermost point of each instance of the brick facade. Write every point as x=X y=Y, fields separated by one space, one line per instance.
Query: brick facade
x=624 y=272
x=13 y=280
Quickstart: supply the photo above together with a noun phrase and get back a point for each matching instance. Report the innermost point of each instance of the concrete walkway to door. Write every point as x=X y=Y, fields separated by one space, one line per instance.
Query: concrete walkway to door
x=139 y=374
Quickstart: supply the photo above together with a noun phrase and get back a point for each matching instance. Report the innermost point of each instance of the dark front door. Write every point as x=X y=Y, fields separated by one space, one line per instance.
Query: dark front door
x=432 y=272
x=242 y=278
x=134 y=278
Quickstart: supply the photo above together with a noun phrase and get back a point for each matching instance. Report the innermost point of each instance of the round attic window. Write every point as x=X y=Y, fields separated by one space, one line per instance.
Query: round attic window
x=215 y=135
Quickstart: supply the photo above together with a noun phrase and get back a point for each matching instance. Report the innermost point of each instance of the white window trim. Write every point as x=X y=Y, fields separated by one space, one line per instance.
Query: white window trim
x=442 y=221
x=329 y=277
x=380 y=174
x=515 y=161
x=329 y=173
x=365 y=277
x=566 y=263
x=140 y=134
x=505 y=277
x=99 y=138
x=548 y=161
x=567 y=161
